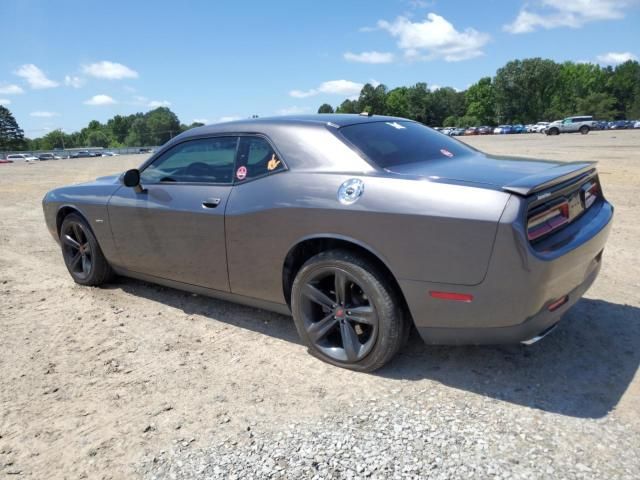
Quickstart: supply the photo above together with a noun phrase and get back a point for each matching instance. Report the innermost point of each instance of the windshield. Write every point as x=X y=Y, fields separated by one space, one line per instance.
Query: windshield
x=388 y=144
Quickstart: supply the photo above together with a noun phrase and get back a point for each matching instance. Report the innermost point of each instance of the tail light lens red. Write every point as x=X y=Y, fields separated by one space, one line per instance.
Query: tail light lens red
x=590 y=192
x=548 y=220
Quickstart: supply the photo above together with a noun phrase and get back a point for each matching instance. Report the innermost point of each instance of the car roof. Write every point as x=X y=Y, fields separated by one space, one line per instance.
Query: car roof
x=336 y=120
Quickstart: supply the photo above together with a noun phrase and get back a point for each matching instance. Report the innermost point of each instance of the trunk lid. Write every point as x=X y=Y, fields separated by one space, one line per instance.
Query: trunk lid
x=522 y=176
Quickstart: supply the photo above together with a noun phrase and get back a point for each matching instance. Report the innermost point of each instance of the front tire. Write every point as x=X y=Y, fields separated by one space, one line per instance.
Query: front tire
x=81 y=253
x=346 y=312
x=553 y=131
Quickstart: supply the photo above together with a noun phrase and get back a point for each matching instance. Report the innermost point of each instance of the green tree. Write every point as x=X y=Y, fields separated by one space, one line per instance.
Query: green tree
x=397 y=102
x=348 y=106
x=325 y=108
x=162 y=124
x=480 y=101
x=623 y=84
x=372 y=99
x=524 y=90
x=600 y=105
x=120 y=126
x=138 y=133
x=11 y=135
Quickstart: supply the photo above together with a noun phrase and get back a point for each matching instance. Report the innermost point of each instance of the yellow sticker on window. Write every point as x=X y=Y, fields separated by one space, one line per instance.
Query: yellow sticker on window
x=273 y=163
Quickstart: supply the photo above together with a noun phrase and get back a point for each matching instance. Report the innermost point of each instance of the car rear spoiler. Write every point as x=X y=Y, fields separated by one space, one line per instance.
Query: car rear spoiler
x=549 y=178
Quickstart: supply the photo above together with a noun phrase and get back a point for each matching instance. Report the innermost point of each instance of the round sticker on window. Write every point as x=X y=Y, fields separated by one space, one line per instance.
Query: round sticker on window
x=446 y=152
x=241 y=173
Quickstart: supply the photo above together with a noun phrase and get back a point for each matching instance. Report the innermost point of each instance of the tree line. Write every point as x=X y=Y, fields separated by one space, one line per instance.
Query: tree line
x=139 y=129
x=521 y=92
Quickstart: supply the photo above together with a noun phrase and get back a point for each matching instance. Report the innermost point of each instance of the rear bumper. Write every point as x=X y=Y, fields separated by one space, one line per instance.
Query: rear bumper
x=511 y=304
x=528 y=331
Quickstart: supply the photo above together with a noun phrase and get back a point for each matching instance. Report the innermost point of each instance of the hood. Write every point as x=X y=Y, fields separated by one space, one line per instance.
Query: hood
x=108 y=179
x=517 y=175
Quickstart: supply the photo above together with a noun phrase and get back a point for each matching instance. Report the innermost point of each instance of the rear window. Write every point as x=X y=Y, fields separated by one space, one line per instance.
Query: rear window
x=388 y=144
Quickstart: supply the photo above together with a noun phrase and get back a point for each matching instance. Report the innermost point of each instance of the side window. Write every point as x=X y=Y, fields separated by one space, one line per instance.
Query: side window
x=256 y=158
x=206 y=160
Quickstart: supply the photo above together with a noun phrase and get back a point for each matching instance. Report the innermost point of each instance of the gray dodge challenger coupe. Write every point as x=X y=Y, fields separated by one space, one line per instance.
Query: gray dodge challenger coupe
x=359 y=226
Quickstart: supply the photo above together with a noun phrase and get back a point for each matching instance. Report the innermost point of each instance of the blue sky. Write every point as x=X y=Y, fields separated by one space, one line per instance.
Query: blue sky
x=64 y=63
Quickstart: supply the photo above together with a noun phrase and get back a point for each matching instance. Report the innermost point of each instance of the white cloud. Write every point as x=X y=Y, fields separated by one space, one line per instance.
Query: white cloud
x=332 y=87
x=435 y=87
x=158 y=103
x=615 y=58
x=294 y=110
x=100 y=100
x=35 y=77
x=548 y=14
x=435 y=37
x=5 y=101
x=44 y=114
x=73 y=81
x=109 y=70
x=369 y=57
x=10 y=90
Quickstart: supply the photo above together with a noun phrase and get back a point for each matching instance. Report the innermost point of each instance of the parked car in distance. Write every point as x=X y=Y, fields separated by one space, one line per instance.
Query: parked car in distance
x=145 y=150
x=110 y=154
x=503 y=129
x=485 y=249
x=636 y=124
x=485 y=130
x=447 y=130
x=583 y=124
x=456 y=132
x=22 y=157
x=620 y=125
x=518 y=129
x=48 y=156
x=471 y=131
x=5 y=160
x=85 y=154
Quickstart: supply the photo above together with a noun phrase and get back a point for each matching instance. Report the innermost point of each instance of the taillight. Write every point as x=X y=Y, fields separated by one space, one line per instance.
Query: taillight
x=548 y=220
x=590 y=192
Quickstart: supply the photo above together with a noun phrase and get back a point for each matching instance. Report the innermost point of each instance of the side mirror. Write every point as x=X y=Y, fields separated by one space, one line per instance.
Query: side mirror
x=131 y=178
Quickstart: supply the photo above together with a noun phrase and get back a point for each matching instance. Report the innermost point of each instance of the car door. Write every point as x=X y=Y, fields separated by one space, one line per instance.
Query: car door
x=174 y=228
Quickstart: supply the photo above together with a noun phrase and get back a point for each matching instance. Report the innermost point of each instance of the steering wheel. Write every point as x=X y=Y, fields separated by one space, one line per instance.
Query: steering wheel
x=197 y=168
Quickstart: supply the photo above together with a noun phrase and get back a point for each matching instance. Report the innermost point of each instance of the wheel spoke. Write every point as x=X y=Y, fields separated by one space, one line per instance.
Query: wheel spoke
x=318 y=330
x=350 y=341
x=317 y=296
x=341 y=287
x=74 y=261
x=71 y=242
x=86 y=264
x=77 y=232
x=364 y=314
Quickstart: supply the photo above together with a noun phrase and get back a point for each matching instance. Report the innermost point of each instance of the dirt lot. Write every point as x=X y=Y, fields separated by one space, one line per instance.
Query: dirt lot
x=108 y=382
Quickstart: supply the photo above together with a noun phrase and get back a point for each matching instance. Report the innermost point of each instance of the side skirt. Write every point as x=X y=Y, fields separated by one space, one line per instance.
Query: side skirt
x=283 y=309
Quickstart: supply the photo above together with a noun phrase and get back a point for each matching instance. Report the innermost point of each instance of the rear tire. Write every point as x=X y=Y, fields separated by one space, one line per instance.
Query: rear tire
x=346 y=312
x=82 y=254
x=584 y=130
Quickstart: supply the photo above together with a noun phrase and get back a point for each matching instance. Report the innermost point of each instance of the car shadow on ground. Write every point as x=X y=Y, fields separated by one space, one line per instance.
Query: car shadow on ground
x=581 y=369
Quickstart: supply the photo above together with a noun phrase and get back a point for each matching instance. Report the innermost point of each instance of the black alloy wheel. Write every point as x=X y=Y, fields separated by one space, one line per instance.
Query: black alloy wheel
x=76 y=250
x=348 y=311
x=338 y=317
x=81 y=252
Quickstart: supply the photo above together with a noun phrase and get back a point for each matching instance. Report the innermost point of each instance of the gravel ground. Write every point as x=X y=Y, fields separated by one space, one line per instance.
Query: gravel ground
x=136 y=380
x=430 y=436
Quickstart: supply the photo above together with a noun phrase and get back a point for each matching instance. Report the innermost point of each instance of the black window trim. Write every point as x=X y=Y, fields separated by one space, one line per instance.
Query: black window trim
x=234 y=181
x=267 y=174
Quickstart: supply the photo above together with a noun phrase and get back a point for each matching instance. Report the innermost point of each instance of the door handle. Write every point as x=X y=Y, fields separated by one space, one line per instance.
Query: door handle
x=211 y=203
